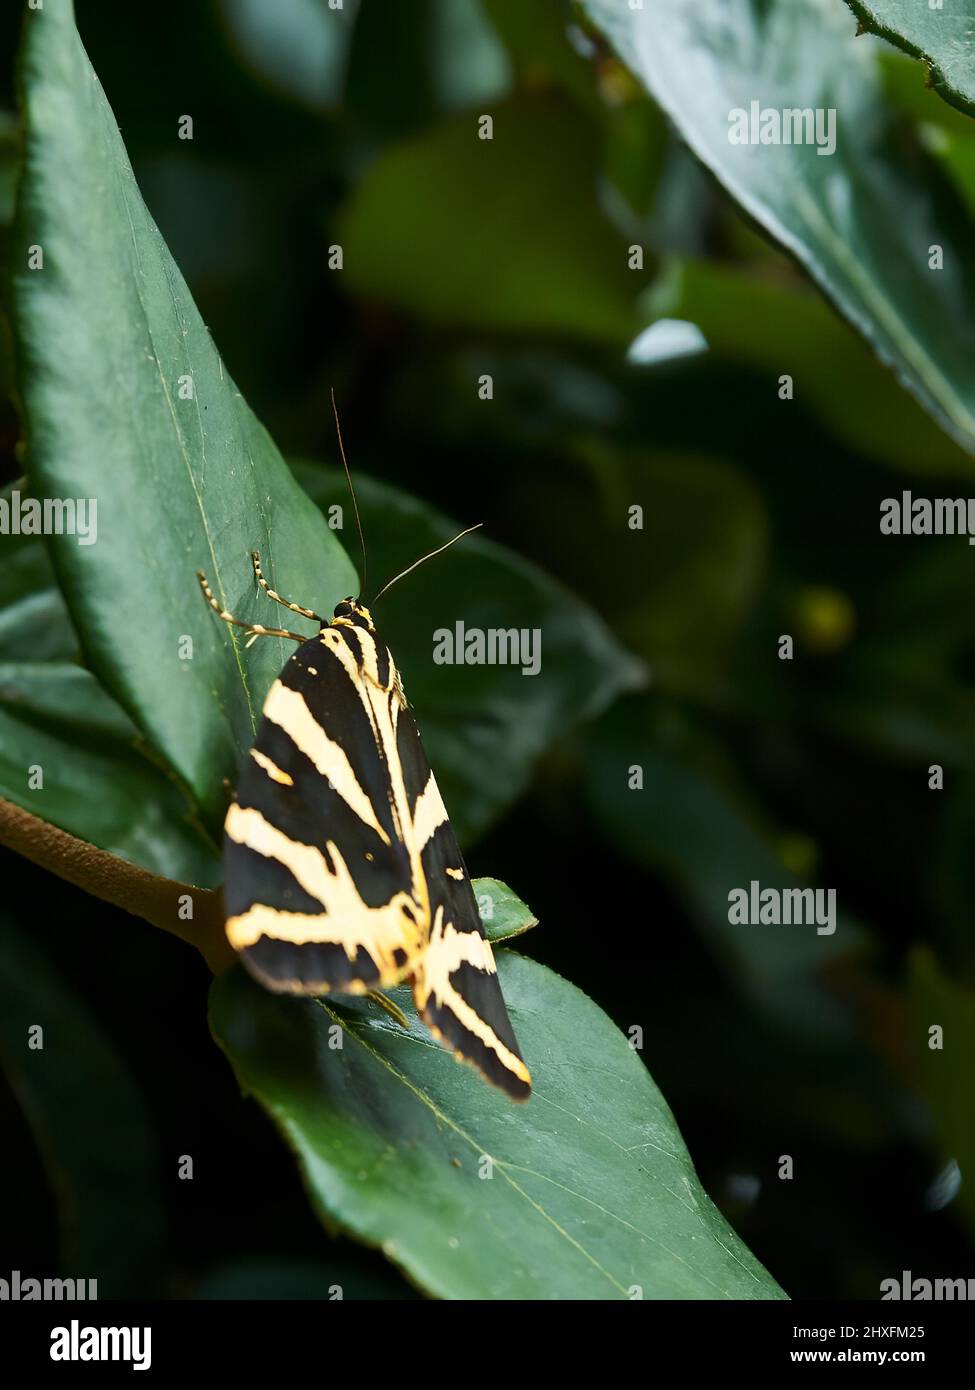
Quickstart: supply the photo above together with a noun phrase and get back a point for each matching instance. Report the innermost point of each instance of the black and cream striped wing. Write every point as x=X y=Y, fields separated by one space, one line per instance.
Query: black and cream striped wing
x=323 y=887
x=341 y=869
x=455 y=981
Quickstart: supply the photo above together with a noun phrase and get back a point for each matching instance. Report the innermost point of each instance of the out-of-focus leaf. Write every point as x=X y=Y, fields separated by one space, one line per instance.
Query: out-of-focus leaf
x=538 y=39
x=296 y=1281
x=938 y=1001
x=952 y=875
x=503 y=233
x=300 y=47
x=591 y=1192
x=448 y=57
x=945 y=133
x=97 y=782
x=9 y=151
x=690 y=823
x=692 y=565
x=89 y=1122
x=483 y=726
x=127 y=402
x=905 y=690
x=34 y=622
x=861 y=220
x=781 y=329
x=940 y=34
x=548 y=50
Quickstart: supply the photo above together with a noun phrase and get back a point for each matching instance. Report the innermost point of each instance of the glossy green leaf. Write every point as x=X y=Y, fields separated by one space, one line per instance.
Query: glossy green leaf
x=860 y=220
x=483 y=726
x=780 y=328
x=89 y=1121
x=941 y=33
x=503 y=915
x=592 y=1194
x=127 y=402
x=503 y=233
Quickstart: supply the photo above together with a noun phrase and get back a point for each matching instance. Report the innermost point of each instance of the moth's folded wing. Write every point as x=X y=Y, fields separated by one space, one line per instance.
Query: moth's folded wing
x=319 y=887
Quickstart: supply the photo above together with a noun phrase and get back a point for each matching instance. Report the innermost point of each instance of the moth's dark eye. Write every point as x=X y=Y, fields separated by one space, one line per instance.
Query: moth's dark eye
x=343 y=609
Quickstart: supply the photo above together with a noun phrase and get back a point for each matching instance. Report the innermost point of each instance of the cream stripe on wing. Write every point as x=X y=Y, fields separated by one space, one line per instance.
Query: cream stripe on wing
x=287 y=708
x=368 y=646
x=272 y=769
x=429 y=814
x=246 y=826
x=345 y=920
x=306 y=929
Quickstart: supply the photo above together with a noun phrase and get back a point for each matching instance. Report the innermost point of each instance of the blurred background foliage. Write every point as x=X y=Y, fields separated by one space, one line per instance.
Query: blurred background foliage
x=315 y=128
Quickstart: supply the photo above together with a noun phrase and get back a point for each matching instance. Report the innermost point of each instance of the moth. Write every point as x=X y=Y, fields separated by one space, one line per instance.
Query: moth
x=342 y=872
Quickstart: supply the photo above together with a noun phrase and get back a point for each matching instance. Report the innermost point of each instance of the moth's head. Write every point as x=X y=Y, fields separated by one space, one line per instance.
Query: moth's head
x=351 y=613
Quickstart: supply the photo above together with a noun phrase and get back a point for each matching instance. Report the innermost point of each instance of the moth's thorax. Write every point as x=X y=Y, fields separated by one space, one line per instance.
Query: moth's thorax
x=350 y=613
x=352 y=636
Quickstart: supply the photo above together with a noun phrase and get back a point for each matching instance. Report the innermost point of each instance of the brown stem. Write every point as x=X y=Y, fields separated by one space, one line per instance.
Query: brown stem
x=120 y=883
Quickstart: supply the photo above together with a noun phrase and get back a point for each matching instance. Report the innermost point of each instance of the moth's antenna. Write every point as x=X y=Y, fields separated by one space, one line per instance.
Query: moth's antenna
x=423 y=558
x=355 y=505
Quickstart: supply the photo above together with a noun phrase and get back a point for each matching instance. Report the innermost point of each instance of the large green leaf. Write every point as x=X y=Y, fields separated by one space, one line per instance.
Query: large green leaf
x=591 y=1195
x=483 y=726
x=860 y=220
x=88 y=1118
x=106 y=332
x=503 y=233
x=99 y=783
x=941 y=34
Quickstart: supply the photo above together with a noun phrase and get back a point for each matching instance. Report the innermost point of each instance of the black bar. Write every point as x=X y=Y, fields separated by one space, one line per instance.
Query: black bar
x=281 y=1339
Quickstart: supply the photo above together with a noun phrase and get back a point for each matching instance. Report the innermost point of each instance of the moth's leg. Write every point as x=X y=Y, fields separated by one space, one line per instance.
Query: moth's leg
x=255 y=629
x=387 y=1005
x=294 y=607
